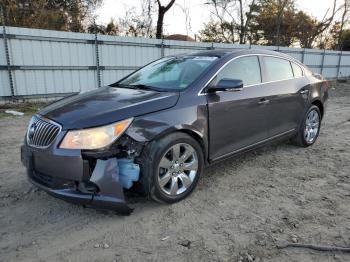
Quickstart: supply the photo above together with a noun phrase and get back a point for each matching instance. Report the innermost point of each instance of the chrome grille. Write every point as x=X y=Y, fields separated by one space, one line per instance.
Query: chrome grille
x=41 y=132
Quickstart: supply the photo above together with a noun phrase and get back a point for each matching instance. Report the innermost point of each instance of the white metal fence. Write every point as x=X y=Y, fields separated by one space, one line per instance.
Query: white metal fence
x=43 y=63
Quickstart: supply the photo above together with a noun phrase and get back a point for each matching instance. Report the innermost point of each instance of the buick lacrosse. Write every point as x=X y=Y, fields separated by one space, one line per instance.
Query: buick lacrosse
x=155 y=130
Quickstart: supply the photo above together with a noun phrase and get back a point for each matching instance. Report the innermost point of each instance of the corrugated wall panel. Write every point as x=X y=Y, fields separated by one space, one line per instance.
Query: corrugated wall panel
x=127 y=55
x=316 y=70
x=4 y=84
x=345 y=60
x=313 y=59
x=263 y=47
x=47 y=53
x=297 y=53
x=38 y=82
x=2 y=52
x=112 y=76
x=330 y=72
x=344 y=72
x=67 y=49
x=331 y=58
x=297 y=56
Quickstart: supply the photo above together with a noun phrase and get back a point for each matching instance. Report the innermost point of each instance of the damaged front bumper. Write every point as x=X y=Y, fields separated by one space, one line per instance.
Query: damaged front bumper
x=66 y=175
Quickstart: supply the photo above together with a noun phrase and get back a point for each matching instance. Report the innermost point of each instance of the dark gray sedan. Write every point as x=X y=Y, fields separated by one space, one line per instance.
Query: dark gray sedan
x=154 y=131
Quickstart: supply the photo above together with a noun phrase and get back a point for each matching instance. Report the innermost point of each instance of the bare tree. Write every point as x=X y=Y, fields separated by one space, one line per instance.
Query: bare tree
x=185 y=9
x=324 y=24
x=345 y=11
x=136 y=24
x=245 y=24
x=225 y=11
x=161 y=13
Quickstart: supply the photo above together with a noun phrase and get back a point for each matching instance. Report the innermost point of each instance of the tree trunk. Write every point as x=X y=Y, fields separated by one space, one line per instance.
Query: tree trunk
x=242 y=30
x=281 y=6
x=161 y=13
x=160 y=22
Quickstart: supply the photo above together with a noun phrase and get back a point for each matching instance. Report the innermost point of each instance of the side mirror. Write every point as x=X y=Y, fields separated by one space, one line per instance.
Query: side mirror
x=227 y=84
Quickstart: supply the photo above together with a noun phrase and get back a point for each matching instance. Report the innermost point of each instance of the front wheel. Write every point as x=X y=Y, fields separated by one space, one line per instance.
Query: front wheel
x=310 y=127
x=172 y=167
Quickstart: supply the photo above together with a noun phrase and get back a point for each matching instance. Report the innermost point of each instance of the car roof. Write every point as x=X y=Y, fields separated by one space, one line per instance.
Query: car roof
x=239 y=51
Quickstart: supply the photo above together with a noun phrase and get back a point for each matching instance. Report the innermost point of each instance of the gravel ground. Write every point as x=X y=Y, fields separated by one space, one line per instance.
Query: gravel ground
x=242 y=207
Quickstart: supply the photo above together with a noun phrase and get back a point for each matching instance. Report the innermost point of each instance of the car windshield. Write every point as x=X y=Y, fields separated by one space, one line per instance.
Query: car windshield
x=168 y=74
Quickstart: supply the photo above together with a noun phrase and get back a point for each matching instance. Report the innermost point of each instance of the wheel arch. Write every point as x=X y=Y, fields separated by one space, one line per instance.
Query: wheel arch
x=192 y=133
x=319 y=104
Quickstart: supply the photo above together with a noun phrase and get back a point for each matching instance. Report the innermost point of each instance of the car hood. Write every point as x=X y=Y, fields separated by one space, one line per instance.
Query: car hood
x=107 y=105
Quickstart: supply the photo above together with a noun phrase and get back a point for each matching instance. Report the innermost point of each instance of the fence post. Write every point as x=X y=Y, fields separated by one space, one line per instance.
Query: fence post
x=323 y=56
x=7 y=53
x=97 y=59
x=339 y=62
x=162 y=48
x=303 y=56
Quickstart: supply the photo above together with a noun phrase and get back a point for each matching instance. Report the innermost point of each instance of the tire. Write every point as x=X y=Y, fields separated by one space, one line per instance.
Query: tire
x=302 y=139
x=155 y=168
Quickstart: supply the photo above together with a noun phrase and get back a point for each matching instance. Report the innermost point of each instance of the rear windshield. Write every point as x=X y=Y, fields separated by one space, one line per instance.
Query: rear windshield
x=171 y=73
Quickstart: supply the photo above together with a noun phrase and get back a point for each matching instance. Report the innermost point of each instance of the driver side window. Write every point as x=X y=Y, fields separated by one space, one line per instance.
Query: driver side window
x=245 y=68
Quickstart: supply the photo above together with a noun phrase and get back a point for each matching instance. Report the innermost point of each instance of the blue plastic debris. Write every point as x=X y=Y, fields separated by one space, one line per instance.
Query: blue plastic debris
x=129 y=172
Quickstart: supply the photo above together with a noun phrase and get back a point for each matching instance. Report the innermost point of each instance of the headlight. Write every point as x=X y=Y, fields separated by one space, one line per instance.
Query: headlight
x=94 y=138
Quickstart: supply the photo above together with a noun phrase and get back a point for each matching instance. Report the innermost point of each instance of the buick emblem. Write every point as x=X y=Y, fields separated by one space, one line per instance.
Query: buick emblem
x=31 y=131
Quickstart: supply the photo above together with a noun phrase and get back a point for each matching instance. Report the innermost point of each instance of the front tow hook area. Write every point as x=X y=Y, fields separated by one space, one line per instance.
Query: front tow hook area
x=110 y=195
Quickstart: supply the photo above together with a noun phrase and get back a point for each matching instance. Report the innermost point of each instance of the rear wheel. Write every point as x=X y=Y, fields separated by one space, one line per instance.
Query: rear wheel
x=173 y=167
x=310 y=127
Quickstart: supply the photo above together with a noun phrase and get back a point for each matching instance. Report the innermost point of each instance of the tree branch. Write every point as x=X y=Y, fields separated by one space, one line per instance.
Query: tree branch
x=169 y=5
x=314 y=247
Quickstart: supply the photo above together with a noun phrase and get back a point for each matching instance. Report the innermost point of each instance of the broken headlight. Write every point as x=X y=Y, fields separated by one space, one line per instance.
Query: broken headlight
x=94 y=138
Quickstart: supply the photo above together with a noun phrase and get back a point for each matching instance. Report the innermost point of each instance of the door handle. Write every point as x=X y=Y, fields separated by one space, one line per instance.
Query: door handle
x=305 y=91
x=264 y=101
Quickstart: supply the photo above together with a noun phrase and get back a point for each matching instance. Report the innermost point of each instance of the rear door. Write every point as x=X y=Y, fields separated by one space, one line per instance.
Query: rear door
x=237 y=119
x=287 y=92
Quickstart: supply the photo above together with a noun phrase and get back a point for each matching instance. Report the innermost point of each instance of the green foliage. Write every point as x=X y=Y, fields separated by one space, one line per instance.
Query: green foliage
x=218 y=32
x=305 y=29
x=269 y=15
x=65 y=15
x=277 y=22
x=334 y=42
x=346 y=40
x=267 y=22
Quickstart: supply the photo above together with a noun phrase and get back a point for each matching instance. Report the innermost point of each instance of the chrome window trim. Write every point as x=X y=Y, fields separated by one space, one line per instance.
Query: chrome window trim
x=46 y=120
x=302 y=69
x=200 y=93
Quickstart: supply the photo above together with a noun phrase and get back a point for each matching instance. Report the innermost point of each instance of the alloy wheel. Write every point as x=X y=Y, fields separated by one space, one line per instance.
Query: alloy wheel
x=312 y=125
x=177 y=169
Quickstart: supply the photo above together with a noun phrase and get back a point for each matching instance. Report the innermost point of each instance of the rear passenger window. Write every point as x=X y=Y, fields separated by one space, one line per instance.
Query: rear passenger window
x=298 y=72
x=245 y=68
x=278 y=68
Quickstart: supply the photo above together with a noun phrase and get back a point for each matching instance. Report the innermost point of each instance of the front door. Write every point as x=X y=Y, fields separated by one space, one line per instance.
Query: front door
x=237 y=119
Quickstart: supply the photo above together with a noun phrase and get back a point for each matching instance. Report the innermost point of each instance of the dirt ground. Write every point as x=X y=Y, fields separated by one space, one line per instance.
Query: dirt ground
x=242 y=207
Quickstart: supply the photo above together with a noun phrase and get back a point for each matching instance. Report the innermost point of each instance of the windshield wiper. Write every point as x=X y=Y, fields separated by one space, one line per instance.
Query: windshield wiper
x=144 y=87
x=141 y=86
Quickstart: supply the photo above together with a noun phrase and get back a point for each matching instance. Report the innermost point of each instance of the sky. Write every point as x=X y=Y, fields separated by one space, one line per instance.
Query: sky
x=199 y=13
